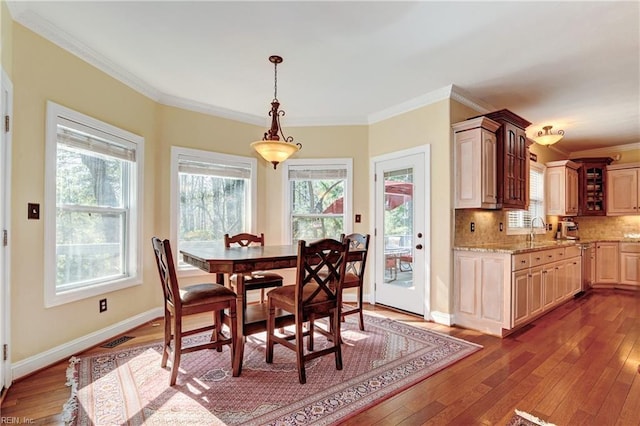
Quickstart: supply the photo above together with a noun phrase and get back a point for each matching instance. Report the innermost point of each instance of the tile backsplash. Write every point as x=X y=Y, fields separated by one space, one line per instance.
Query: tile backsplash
x=487 y=227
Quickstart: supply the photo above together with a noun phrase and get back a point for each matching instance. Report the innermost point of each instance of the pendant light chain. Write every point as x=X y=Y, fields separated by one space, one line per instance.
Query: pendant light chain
x=275 y=81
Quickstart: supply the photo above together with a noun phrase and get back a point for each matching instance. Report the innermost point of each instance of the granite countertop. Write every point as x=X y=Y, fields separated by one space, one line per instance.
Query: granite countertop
x=524 y=247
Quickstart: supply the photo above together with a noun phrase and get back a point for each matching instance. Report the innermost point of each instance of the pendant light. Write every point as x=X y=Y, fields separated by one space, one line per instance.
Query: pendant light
x=274 y=146
x=547 y=138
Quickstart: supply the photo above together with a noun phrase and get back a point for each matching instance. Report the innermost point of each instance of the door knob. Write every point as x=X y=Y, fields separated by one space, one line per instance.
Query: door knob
x=419 y=247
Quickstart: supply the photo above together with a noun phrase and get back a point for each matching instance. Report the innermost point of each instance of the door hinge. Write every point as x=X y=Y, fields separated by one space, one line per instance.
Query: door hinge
x=5 y=237
x=7 y=120
x=5 y=352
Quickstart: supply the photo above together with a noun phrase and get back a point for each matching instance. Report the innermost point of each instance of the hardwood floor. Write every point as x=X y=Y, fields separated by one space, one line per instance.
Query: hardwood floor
x=577 y=365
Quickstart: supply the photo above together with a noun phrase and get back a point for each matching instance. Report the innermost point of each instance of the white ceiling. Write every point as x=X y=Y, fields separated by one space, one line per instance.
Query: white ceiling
x=573 y=65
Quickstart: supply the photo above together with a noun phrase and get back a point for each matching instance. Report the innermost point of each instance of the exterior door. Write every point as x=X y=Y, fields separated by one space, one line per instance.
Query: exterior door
x=5 y=161
x=401 y=230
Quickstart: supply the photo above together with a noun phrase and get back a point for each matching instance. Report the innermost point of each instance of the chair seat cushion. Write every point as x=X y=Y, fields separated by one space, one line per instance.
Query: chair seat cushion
x=287 y=294
x=198 y=292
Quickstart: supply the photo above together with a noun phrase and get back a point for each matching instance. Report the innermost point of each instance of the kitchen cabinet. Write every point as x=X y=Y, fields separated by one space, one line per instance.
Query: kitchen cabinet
x=561 y=188
x=498 y=292
x=475 y=146
x=592 y=185
x=482 y=283
x=630 y=264
x=512 y=160
x=623 y=189
x=607 y=263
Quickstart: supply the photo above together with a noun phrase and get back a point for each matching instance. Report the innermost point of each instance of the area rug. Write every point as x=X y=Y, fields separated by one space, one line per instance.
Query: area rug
x=128 y=387
x=521 y=418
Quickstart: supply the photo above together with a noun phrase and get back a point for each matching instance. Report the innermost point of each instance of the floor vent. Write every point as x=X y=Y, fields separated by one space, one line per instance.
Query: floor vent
x=116 y=342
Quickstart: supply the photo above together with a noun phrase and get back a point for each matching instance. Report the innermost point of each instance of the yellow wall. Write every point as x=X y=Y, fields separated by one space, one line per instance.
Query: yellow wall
x=429 y=125
x=6 y=39
x=77 y=85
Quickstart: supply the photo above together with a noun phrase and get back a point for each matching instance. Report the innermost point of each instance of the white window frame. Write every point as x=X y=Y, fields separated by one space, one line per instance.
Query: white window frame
x=178 y=153
x=538 y=229
x=57 y=114
x=318 y=164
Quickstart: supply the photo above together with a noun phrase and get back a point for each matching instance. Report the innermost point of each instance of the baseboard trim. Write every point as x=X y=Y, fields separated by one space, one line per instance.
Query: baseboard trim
x=37 y=362
x=442 y=318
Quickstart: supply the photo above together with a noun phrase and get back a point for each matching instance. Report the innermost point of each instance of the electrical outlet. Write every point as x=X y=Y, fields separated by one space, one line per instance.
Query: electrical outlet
x=358 y=218
x=501 y=227
x=473 y=227
x=103 y=305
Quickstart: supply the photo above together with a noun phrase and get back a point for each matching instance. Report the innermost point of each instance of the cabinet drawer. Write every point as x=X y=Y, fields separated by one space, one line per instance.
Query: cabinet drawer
x=572 y=251
x=538 y=257
x=630 y=247
x=520 y=261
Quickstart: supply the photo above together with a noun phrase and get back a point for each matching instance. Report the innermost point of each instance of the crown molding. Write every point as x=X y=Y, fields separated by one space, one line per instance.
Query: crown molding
x=606 y=152
x=208 y=109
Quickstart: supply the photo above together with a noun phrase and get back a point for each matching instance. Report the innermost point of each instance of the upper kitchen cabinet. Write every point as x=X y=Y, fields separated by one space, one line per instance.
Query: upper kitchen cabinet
x=475 y=148
x=623 y=189
x=561 y=188
x=592 y=186
x=512 y=160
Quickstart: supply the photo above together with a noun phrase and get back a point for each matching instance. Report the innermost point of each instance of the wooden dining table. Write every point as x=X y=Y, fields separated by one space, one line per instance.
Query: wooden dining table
x=221 y=261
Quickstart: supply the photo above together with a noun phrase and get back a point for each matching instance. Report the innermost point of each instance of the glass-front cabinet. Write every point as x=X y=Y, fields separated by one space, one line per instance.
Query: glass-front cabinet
x=592 y=186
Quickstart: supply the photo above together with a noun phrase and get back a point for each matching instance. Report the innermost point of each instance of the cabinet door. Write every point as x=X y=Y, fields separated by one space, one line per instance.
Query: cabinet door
x=520 y=295
x=561 y=282
x=572 y=191
x=555 y=190
x=622 y=191
x=488 y=171
x=607 y=263
x=573 y=273
x=630 y=268
x=535 y=291
x=515 y=168
x=548 y=287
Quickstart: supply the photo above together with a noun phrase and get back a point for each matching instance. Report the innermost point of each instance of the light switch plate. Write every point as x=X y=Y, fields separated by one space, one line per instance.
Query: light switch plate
x=33 y=211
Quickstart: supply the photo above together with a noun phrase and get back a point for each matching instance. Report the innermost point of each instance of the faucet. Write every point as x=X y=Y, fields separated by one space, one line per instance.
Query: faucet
x=531 y=233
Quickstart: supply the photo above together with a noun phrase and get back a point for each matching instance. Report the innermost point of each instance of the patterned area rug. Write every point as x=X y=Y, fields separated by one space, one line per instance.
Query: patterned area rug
x=128 y=387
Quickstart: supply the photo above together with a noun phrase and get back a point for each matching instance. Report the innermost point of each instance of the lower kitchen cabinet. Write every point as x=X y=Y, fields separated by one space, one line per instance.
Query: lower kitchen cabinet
x=498 y=292
x=607 y=263
x=630 y=264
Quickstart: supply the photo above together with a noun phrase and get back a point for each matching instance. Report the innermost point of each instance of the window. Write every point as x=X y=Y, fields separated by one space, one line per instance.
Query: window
x=211 y=195
x=318 y=197
x=92 y=237
x=519 y=221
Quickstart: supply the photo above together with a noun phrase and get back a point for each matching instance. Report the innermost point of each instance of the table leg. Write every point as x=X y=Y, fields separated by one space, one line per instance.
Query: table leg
x=240 y=308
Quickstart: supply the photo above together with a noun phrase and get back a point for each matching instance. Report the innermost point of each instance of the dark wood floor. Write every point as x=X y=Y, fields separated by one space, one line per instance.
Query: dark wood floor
x=577 y=365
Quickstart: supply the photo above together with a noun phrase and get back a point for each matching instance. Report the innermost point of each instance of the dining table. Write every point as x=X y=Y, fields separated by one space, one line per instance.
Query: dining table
x=221 y=261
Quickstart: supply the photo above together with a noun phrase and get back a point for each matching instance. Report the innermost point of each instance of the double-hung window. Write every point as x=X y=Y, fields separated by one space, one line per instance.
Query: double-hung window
x=212 y=194
x=93 y=176
x=318 y=197
x=519 y=221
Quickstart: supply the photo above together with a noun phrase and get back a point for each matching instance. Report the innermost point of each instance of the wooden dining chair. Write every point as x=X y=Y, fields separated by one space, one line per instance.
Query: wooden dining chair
x=194 y=299
x=317 y=294
x=258 y=279
x=354 y=277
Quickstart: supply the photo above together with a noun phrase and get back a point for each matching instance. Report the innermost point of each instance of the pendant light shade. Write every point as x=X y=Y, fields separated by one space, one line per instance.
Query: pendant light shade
x=271 y=147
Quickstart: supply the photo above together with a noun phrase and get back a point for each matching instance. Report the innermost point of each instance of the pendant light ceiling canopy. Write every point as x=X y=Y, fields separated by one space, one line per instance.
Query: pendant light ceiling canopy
x=274 y=146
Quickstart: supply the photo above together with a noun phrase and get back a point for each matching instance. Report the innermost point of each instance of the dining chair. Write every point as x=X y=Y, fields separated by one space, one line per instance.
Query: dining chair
x=354 y=277
x=317 y=293
x=257 y=279
x=180 y=302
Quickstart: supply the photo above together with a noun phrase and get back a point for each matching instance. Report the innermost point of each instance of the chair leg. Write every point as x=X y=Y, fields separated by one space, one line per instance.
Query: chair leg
x=177 y=349
x=271 y=325
x=311 y=328
x=236 y=361
x=302 y=376
x=217 y=331
x=167 y=339
x=262 y=295
x=360 y=309
x=337 y=339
